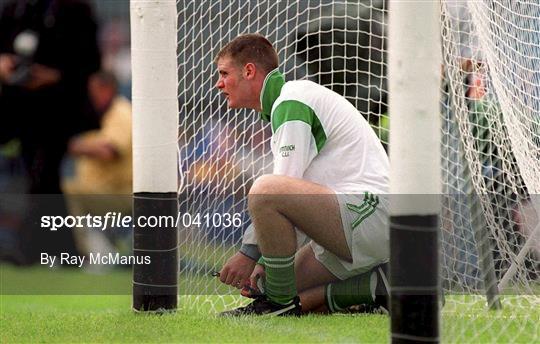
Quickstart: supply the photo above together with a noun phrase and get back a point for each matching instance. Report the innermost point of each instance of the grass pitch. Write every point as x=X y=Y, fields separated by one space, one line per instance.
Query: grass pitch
x=109 y=318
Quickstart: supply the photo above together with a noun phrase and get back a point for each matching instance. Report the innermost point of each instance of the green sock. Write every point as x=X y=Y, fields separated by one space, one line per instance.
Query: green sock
x=280 y=286
x=363 y=289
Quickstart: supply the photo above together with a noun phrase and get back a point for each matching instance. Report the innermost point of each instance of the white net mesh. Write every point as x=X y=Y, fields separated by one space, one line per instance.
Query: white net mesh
x=490 y=147
x=491 y=53
x=222 y=151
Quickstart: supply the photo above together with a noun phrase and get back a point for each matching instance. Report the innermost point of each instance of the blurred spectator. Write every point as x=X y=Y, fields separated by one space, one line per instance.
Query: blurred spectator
x=116 y=54
x=103 y=164
x=48 y=48
x=103 y=175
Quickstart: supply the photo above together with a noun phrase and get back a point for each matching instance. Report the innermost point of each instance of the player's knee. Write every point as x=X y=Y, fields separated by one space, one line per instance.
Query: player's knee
x=263 y=193
x=271 y=184
x=265 y=185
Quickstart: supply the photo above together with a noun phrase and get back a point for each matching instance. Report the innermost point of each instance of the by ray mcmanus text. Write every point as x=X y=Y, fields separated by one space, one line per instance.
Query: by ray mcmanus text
x=93 y=258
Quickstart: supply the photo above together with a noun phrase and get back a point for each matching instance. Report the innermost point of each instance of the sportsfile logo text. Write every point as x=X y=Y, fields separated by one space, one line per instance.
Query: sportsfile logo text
x=119 y=221
x=111 y=219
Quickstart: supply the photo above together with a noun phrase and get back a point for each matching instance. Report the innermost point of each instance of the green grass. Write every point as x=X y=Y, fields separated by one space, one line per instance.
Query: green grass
x=465 y=318
x=38 y=280
x=109 y=318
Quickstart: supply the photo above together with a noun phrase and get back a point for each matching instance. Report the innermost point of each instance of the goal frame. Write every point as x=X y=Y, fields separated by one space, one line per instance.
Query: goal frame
x=415 y=185
x=415 y=80
x=155 y=159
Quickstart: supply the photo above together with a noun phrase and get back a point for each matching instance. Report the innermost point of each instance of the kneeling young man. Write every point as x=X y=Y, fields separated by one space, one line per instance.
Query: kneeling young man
x=330 y=171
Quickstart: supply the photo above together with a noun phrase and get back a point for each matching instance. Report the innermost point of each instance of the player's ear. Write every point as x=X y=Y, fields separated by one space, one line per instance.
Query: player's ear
x=249 y=71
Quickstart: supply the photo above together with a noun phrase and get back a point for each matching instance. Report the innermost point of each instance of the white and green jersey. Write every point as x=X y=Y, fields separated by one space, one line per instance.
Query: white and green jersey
x=319 y=136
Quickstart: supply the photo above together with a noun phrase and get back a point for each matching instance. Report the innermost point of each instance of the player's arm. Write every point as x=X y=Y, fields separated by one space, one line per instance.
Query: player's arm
x=297 y=138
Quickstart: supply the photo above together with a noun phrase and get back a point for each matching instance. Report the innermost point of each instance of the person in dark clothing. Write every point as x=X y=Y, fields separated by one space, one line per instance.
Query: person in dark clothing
x=48 y=49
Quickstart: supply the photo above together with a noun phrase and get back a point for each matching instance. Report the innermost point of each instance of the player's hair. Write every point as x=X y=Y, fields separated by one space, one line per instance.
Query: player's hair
x=251 y=47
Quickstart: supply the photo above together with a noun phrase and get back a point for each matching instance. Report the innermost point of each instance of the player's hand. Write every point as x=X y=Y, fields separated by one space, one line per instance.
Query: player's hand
x=255 y=287
x=237 y=270
x=257 y=276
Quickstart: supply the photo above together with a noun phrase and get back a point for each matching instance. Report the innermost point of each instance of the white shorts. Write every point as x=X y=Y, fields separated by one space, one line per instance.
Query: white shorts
x=365 y=224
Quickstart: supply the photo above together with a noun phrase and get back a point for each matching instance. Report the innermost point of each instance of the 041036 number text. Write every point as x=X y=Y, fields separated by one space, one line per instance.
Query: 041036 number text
x=224 y=220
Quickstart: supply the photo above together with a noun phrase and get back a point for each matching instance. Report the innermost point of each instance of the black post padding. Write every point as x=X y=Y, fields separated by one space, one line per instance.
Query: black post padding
x=155 y=285
x=414 y=279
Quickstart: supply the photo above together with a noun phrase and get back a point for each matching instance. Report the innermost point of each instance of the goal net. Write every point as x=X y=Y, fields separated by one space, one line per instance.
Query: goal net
x=222 y=152
x=491 y=167
x=490 y=241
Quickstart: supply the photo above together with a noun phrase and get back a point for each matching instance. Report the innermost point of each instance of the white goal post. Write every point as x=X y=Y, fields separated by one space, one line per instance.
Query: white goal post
x=489 y=134
x=414 y=76
x=155 y=166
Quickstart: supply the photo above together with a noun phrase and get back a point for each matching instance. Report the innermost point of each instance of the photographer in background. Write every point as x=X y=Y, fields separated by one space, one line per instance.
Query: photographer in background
x=48 y=49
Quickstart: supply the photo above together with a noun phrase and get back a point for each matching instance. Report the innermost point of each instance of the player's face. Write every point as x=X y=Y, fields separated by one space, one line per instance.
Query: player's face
x=232 y=84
